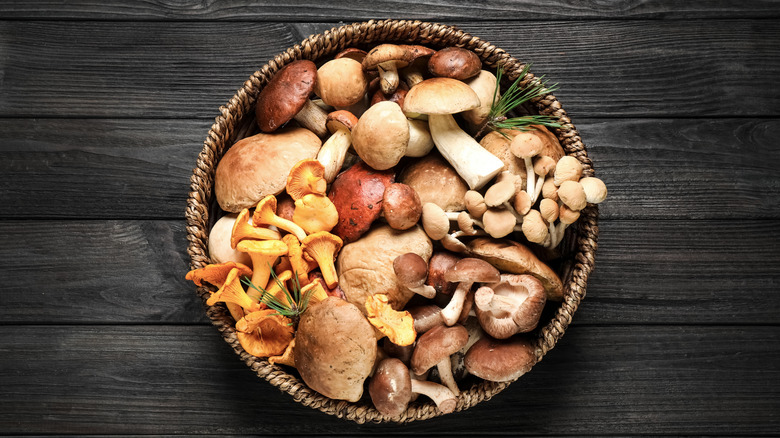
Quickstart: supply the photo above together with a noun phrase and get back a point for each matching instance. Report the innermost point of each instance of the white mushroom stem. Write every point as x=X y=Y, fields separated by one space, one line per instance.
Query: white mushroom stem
x=560 y=230
x=333 y=152
x=445 y=375
x=451 y=313
x=444 y=398
x=313 y=118
x=473 y=163
x=488 y=301
x=530 y=177
x=537 y=189
x=388 y=74
x=420 y=141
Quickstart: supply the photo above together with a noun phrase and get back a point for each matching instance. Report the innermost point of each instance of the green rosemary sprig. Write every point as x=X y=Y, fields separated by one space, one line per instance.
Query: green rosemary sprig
x=514 y=97
x=296 y=305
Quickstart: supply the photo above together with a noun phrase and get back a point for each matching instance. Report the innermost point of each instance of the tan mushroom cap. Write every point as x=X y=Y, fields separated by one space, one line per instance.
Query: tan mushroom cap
x=549 y=210
x=257 y=166
x=522 y=202
x=434 y=221
x=568 y=216
x=595 y=189
x=499 y=222
x=341 y=82
x=385 y=53
x=543 y=165
x=534 y=228
x=352 y=53
x=526 y=145
x=440 y=96
x=475 y=203
x=436 y=181
x=568 y=168
x=381 y=135
x=285 y=95
x=472 y=270
x=500 y=360
x=500 y=192
x=572 y=194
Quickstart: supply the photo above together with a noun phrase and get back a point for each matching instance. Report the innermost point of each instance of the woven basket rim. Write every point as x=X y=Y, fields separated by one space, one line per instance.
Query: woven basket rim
x=227 y=127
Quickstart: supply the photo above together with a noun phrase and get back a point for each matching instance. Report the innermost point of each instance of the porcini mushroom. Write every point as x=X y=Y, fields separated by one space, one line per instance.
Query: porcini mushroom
x=340 y=82
x=391 y=389
x=455 y=62
x=381 y=135
x=401 y=206
x=265 y=214
x=386 y=59
x=440 y=98
x=484 y=84
x=435 y=181
x=500 y=360
x=334 y=150
x=314 y=212
x=513 y=305
x=420 y=140
x=466 y=272
x=286 y=97
x=412 y=271
x=417 y=56
x=220 y=244
x=322 y=248
x=435 y=347
x=306 y=177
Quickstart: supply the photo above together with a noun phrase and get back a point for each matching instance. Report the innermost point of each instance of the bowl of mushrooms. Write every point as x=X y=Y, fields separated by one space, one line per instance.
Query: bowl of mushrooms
x=392 y=221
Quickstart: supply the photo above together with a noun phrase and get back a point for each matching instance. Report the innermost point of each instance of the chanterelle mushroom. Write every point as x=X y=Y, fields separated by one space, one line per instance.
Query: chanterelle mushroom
x=265 y=214
x=306 y=177
x=243 y=229
x=264 y=254
x=510 y=306
x=314 y=213
x=322 y=247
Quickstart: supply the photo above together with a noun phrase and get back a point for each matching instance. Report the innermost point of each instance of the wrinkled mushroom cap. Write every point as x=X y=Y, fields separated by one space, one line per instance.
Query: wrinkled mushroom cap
x=306 y=177
x=499 y=222
x=357 y=194
x=436 y=345
x=381 y=135
x=440 y=96
x=257 y=166
x=500 y=360
x=534 y=228
x=568 y=168
x=455 y=62
x=284 y=96
x=340 y=82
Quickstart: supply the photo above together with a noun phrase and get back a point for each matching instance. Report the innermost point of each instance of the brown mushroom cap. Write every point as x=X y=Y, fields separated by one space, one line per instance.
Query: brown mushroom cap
x=398 y=95
x=258 y=166
x=357 y=194
x=285 y=95
x=436 y=181
x=340 y=82
x=455 y=62
x=500 y=360
x=401 y=206
x=391 y=387
x=341 y=119
x=440 y=96
x=441 y=262
x=385 y=53
x=381 y=135
x=352 y=53
x=436 y=345
x=472 y=270
x=411 y=270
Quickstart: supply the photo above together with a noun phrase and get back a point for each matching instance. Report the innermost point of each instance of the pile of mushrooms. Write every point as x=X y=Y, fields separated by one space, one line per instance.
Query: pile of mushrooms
x=411 y=238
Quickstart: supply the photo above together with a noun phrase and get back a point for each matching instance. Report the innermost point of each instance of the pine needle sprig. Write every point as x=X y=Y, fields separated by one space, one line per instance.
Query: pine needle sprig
x=515 y=96
x=296 y=305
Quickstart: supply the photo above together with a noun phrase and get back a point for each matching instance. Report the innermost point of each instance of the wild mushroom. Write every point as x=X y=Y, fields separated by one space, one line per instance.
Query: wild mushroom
x=220 y=248
x=386 y=59
x=244 y=229
x=522 y=202
x=357 y=194
x=595 y=189
x=549 y=211
x=420 y=140
x=499 y=222
x=543 y=166
x=568 y=168
x=286 y=358
x=499 y=194
x=475 y=203
x=334 y=150
x=265 y=214
x=572 y=195
x=412 y=271
x=435 y=221
x=525 y=145
x=435 y=181
x=258 y=166
x=314 y=212
x=397 y=325
x=484 y=84
x=466 y=272
x=335 y=349
x=426 y=317
x=381 y=135
x=217 y=274
x=396 y=96
x=566 y=217
x=401 y=206
x=264 y=254
x=455 y=62
x=322 y=248
x=340 y=82
x=440 y=98
x=306 y=177
x=418 y=57
x=500 y=360
x=513 y=305
x=264 y=333
x=438 y=265
x=467 y=222
x=286 y=97
x=549 y=189
x=391 y=389
x=435 y=347
x=534 y=227
x=232 y=292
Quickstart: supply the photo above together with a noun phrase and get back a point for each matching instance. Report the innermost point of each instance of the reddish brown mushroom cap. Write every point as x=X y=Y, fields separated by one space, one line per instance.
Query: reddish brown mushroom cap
x=436 y=345
x=357 y=194
x=341 y=119
x=391 y=387
x=285 y=95
x=500 y=360
x=472 y=270
x=455 y=62
x=401 y=206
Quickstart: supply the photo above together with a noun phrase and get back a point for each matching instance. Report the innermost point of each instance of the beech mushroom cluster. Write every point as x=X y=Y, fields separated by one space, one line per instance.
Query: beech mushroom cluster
x=368 y=235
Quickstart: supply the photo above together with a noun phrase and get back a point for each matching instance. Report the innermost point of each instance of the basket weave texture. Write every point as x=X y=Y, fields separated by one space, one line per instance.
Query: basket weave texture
x=236 y=120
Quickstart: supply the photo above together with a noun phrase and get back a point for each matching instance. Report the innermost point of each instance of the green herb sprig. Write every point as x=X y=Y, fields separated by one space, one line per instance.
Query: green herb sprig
x=296 y=305
x=513 y=98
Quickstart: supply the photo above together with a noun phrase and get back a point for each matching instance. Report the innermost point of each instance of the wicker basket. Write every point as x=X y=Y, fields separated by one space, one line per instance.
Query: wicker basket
x=236 y=121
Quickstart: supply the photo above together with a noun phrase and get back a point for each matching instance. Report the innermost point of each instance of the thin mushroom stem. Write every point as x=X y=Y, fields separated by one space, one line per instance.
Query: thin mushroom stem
x=313 y=118
x=530 y=175
x=455 y=306
x=445 y=375
x=537 y=189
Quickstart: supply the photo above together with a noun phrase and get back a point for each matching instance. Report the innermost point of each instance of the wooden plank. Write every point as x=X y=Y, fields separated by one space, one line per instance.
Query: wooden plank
x=98 y=272
x=185 y=380
x=655 y=68
x=247 y=10
x=140 y=169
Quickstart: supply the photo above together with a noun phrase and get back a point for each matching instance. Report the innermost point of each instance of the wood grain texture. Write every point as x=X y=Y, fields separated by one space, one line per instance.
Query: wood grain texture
x=253 y=10
x=130 y=272
x=185 y=380
x=653 y=68
x=140 y=169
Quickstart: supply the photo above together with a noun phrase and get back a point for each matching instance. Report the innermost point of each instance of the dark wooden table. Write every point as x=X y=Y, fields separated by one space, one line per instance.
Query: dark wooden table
x=104 y=107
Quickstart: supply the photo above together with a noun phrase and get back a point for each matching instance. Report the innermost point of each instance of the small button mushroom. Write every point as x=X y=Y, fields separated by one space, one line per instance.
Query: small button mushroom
x=322 y=247
x=435 y=221
x=513 y=305
x=549 y=189
x=522 y=202
x=381 y=135
x=401 y=206
x=543 y=166
x=566 y=217
x=386 y=59
x=334 y=151
x=568 y=168
x=286 y=97
x=391 y=389
x=549 y=210
x=526 y=145
x=440 y=98
x=499 y=194
x=435 y=347
x=595 y=189
x=467 y=222
x=340 y=82
x=500 y=360
x=357 y=194
x=499 y=222
x=572 y=195
x=475 y=203
x=466 y=272
x=412 y=271
x=455 y=63
x=534 y=228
